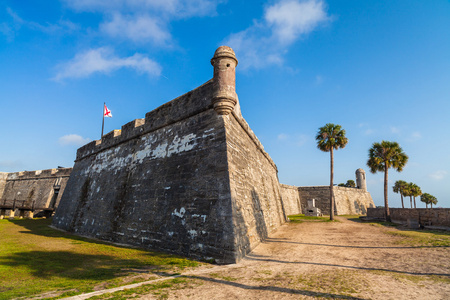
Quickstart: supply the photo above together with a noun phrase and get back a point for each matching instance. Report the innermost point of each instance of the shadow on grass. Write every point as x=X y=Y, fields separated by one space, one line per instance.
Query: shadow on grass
x=267 y=259
x=159 y=260
x=42 y=227
x=273 y=288
x=66 y=264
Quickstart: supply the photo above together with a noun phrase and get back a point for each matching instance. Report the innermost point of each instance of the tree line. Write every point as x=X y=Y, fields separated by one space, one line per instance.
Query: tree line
x=411 y=190
x=382 y=157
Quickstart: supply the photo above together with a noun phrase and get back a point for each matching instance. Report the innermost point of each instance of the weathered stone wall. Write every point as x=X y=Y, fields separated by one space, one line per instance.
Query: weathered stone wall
x=36 y=188
x=291 y=199
x=352 y=201
x=254 y=185
x=191 y=178
x=320 y=193
x=425 y=216
x=348 y=201
x=162 y=185
x=3 y=176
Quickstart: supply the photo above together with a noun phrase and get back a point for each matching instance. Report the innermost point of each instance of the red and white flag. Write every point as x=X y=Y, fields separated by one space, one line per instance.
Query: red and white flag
x=107 y=112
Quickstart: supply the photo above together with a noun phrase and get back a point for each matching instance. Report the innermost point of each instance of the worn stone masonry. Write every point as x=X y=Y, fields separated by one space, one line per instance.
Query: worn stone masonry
x=32 y=193
x=438 y=217
x=348 y=201
x=191 y=178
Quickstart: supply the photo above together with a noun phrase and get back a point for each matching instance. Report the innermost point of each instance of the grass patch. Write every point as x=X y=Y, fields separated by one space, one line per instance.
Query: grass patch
x=422 y=238
x=302 y=218
x=36 y=259
x=339 y=282
x=160 y=290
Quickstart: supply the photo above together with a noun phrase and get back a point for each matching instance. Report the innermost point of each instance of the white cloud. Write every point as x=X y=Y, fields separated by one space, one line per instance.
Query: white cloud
x=267 y=40
x=143 y=20
x=139 y=29
x=63 y=26
x=438 y=175
x=103 y=60
x=73 y=139
x=6 y=30
x=292 y=18
x=174 y=8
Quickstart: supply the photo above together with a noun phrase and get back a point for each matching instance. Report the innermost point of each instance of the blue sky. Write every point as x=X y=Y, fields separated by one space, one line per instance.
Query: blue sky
x=381 y=69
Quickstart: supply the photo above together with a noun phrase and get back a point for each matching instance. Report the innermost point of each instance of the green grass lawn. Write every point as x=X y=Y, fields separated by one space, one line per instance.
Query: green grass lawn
x=302 y=218
x=36 y=259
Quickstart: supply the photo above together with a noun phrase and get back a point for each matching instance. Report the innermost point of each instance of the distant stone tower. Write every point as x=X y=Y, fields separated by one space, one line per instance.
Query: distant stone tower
x=224 y=62
x=361 y=179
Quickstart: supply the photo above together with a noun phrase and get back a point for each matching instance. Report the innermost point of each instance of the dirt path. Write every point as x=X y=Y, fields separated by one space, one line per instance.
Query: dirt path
x=344 y=260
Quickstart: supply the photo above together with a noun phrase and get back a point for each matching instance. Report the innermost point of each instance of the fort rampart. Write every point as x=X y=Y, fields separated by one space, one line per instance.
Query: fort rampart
x=439 y=217
x=348 y=201
x=190 y=178
x=32 y=192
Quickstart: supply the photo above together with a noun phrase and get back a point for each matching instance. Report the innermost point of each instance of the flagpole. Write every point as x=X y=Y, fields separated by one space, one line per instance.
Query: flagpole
x=103 y=119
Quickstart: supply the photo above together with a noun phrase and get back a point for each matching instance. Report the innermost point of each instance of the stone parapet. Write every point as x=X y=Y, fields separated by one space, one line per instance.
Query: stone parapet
x=39 y=174
x=181 y=108
x=425 y=216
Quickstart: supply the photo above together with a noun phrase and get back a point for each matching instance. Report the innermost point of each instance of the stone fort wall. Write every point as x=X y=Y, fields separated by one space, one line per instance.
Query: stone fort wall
x=191 y=178
x=291 y=199
x=256 y=197
x=41 y=189
x=348 y=201
x=439 y=217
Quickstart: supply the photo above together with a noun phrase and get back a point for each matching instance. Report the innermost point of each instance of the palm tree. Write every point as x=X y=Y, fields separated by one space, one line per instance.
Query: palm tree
x=408 y=192
x=398 y=187
x=331 y=137
x=416 y=192
x=428 y=199
x=383 y=156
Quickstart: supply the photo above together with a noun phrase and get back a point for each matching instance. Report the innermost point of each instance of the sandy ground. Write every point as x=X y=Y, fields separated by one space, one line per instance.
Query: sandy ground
x=343 y=260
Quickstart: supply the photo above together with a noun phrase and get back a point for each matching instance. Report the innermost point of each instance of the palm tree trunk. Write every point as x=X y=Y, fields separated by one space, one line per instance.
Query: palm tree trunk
x=403 y=206
x=386 y=205
x=415 y=202
x=426 y=205
x=431 y=204
x=331 y=185
x=410 y=200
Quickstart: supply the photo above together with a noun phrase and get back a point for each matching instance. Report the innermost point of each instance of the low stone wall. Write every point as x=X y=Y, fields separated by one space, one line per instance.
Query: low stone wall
x=348 y=201
x=291 y=199
x=425 y=216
